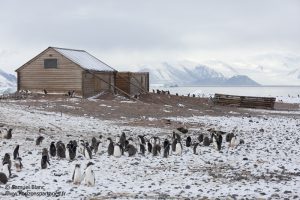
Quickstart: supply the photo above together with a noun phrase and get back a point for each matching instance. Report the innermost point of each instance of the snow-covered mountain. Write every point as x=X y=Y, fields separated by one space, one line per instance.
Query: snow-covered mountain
x=8 y=82
x=185 y=74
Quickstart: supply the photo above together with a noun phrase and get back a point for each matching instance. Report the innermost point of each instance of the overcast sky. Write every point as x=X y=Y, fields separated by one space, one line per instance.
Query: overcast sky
x=134 y=32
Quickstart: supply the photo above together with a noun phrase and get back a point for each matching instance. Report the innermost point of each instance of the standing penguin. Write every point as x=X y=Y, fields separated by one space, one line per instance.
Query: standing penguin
x=149 y=146
x=89 y=175
x=123 y=139
x=68 y=152
x=76 y=178
x=87 y=152
x=60 y=149
x=156 y=147
x=16 y=152
x=166 y=148
x=178 y=148
x=18 y=164
x=174 y=144
x=44 y=162
x=71 y=147
x=45 y=153
x=7 y=165
x=234 y=142
x=52 y=149
x=110 y=148
x=142 y=149
x=188 y=141
x=117 y=150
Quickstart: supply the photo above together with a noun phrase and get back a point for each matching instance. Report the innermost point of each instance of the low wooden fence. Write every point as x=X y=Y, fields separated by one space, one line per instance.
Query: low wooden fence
x=244 y=101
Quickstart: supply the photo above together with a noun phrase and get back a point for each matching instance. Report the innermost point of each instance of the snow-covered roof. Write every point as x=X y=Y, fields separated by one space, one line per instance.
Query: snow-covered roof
x=84 y=59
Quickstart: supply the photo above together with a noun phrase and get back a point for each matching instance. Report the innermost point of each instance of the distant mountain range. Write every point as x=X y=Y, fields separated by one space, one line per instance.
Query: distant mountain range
x=8 y=82
x=181 y=74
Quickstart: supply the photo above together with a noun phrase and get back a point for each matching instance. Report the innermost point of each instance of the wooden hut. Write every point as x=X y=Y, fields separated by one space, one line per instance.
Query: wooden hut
x=133 y=82
x=61 y=70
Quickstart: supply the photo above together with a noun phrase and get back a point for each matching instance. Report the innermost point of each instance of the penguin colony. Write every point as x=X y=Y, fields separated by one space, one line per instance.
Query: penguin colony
x=121 y=146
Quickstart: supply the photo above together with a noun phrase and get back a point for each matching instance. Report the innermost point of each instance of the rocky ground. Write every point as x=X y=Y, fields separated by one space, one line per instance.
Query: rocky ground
x=266 y=166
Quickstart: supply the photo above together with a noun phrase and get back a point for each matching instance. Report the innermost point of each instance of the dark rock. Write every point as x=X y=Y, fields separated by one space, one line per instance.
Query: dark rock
x=188 y=187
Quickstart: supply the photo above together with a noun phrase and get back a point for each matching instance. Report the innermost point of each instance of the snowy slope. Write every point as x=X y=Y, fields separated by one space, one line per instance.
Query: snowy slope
x=8 y=82
x=266 y=166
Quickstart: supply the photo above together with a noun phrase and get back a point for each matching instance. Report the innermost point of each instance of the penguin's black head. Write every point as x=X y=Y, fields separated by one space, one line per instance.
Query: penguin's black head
x=52 y=143
x=77 y=166
x=100 y=136
x=7 y=156
x=18 y=158
x=109 y=139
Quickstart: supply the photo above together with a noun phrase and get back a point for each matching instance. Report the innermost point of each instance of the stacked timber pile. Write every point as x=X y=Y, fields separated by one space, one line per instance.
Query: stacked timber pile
x=244 y=101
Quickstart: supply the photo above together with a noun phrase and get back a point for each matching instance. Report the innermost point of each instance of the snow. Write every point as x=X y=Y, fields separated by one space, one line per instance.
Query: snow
x=267 y=166
x=84 y=59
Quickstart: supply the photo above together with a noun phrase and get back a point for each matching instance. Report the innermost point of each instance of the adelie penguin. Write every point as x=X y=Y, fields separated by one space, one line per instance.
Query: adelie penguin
x=123 y=139
x=71 y=150
x=206 y=141
x=76 y=178
x=110 y=148
x=16 y=152
x=117 y=150
x=52 y=149
x=95 y=145
x=6 y=163
x=89 y=175
x=44 y=162
x=39 y=140
x=131 y=150
x=156 y=147
x=217 y=140
x=188 y=141
x=87 y=152
x=196 y=148
x=149 y=146
x=200 y=138
x=7 y=134
x=18 y=164
x=45 y=153
x=178 y=148
x=60 y=149
x=166 y=148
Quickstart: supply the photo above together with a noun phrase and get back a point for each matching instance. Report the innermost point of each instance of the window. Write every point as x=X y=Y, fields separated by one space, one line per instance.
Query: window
x=50 y=63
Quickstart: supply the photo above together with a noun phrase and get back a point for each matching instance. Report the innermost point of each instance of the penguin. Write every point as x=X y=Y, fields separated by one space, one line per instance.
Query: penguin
x=156 y=149
x=166 y=148
x=117 y=150
x=94 y=141
x=6 y=161
x=87 y=152
x=214 y=140
x=16 y=152
x=18 y=164
x=195 y=148
x=131 y=150
x=123 y=139
x=142 y=149
x=52 y=149
x=81 y=146
x=45 y=153
x=110 y=149
x=206 y=141
x=60 y=149
x=76 y=178
x=176 y=136
x=141 y=139
x=6 y=170
x=71 y=147
x=178 y=148
x=44 y=162
x=234 y=142
x=200 y=138
x=8 y=134
x=89 y=175
x=229 y=137
x=174 y=144
x=3 y=178
x=39 y=140
x=149 y=147
x=188 y=141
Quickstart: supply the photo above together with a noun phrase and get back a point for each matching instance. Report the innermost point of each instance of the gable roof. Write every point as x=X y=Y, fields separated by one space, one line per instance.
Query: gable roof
x=84 y=59
x=80 y=57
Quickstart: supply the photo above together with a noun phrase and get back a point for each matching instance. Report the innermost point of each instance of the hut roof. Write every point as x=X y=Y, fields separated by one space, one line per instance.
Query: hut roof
x=84 y=59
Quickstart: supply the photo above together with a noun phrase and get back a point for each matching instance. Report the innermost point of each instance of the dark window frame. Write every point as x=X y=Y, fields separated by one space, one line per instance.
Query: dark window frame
x=50 y=63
